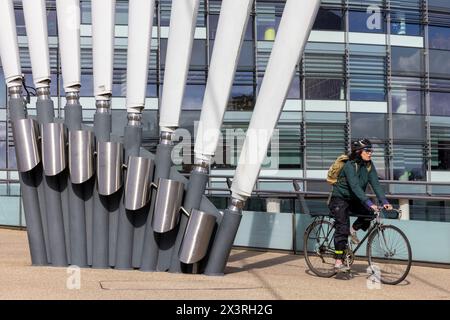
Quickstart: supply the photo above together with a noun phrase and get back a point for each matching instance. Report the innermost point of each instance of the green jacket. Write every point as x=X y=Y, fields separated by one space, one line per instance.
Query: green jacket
x=352 y=183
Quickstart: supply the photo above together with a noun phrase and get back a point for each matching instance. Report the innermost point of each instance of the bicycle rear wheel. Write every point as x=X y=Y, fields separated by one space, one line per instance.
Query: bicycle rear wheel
x=389 y=254
x=318 y=248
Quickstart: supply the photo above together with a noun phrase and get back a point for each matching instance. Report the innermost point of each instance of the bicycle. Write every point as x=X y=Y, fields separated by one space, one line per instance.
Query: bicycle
x=388 y=248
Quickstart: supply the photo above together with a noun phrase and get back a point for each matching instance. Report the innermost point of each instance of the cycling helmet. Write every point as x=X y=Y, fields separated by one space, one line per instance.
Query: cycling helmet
x=361 y=144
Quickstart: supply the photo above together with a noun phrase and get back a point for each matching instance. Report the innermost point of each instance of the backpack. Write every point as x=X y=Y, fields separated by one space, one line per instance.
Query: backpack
x=336 y=168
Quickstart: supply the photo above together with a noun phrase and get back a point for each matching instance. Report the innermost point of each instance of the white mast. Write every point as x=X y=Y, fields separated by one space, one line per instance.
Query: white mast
x=140 y=21
x=36 y=23
x=183 y=19
x=9 y=50
x=69 y=42
x=103 y=46
x=295 y=26
x=230 y=33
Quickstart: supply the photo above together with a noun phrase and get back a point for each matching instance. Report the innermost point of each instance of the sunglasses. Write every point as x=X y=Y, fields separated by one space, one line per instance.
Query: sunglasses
x=368 y=150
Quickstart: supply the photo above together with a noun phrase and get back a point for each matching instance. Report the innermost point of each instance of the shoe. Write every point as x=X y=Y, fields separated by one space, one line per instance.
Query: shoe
x=354 y=237
x=340 y=267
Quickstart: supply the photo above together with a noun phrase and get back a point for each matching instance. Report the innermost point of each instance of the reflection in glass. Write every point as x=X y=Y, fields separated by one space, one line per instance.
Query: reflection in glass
x=369 y=125
x=324 y=89
x=12 y=164
x=440 y=63
x=440 y=103
x=2 y=90
x=241 y=98
x=294 y=91
x=408 y=127
x=439 y=37
x=3 y=154
x=407 y=101
x=329 y=19
x=407 y=61
x=193 y=97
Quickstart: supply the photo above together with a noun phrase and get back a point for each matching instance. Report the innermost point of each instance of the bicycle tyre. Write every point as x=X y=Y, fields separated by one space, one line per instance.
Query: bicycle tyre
x=403 y=265
x=309 y=241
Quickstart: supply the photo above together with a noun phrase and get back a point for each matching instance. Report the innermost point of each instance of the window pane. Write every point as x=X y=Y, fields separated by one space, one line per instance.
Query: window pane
x=2 y=154
x=193 y=97
x=20 y=22
x=439 y=103
x=366 y=21
x=214 y=20
x=439 y=37
x=440 y=148
x=289 y=144
x=439 y=5
x=328 y=19
x=324 y=89
x=409 y=162
x=370 y=125
x=408 y=127
x=2 y=90
x=294 y=91
x=407 y=101
x=324 y=142
x=440 y=63
x=241 y=98
x=52 y=24
x=407 y=61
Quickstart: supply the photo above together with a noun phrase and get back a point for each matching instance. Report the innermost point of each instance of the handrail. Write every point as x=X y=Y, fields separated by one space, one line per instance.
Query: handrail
x=287 y=179
x=294 y=194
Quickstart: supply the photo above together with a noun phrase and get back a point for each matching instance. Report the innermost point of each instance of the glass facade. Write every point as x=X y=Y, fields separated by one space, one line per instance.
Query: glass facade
x=376 y=68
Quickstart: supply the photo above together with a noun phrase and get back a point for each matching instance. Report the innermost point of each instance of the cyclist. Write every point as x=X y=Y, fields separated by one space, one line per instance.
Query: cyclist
x=348 y=195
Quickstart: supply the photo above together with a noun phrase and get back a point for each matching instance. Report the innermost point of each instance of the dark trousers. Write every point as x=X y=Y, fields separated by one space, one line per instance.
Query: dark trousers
x=340 y=210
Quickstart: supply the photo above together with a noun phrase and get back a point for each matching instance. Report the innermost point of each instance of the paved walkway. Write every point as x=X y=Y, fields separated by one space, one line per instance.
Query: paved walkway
x=249 y=275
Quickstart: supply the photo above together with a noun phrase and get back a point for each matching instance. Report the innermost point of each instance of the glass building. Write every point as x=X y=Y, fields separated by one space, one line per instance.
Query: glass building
x=377 y=68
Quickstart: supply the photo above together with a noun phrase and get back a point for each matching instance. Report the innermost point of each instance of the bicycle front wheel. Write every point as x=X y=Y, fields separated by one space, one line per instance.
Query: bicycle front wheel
x=318 y=248
x=389 y=254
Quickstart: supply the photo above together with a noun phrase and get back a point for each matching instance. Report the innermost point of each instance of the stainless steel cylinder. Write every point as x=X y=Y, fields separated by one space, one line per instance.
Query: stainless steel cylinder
x=53 y=148
x=137 y=183
x=109 y=167
x=25 y=139
x=167 y=205
x=81 y=155
x=197 y=236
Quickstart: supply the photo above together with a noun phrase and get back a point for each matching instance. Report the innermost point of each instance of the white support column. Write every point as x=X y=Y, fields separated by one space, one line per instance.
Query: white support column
x=404 y=206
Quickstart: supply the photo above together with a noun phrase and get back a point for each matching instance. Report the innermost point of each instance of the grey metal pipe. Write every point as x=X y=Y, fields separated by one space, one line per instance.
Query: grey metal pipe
x=114 y=212
x=63 y=178
x=195 y=191
x=77 y=216
x=30 y=198
x=125 y=249
x=224 y=238
x=38 y=178
x=100 y=214
x=55 y=223
x=150 y=256
x=166 y=240
x=88 y=196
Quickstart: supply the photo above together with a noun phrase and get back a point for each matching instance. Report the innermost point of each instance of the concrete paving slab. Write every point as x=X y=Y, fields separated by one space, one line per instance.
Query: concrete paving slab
x=249 y=275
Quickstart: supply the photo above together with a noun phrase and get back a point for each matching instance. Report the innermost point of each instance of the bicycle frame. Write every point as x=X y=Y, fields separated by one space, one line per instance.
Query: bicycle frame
x=376 y=225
